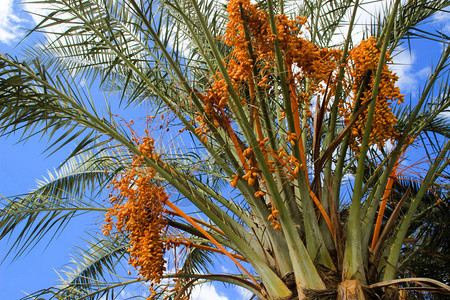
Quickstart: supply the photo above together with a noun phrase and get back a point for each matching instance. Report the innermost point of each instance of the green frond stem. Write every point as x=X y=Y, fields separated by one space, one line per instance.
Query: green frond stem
x=270 y=237
x=282 y=125
x=316 y=22
x=293 y=115
x=353 y=264
x=381 y=187
x=300 y=130
x=381 y=243
x=282 y=258
x=305 y=273
x=374 y=181
x=258 y=97
x=343 y=140
x=238 y=211
x=245 y=127
x=378 y=194
x=334 y=109
x=303 y=131
x=284 y=263
x=259 y=208
x=233 y=207
x=427 y=210
x=209 y=237
x=314 y=239
x=394 y=251
x=235 y=232
x=253 y=86
x=371 y=205
x=271 y=281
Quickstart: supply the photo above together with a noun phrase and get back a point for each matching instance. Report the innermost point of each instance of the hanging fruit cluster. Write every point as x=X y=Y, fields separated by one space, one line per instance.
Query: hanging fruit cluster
x=139 y=210
x=364 y=60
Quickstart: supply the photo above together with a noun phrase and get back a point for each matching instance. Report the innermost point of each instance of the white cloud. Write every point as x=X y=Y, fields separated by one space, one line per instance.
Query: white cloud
x=9 y=22
x=403 y=61
x=206 y=292
x=445 y=115
x=409 y=78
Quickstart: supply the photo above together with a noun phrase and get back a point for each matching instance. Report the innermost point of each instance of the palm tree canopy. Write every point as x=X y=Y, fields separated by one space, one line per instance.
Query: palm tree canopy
x=257 y=111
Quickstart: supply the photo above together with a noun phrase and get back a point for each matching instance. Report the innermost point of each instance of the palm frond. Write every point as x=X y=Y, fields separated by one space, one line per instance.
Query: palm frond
x=65 y=194
x=97 y=270
x=197 y=261
x=51 y=104
x=93 y=34
x=88 y=172
x=29 y=219
x=411 y=14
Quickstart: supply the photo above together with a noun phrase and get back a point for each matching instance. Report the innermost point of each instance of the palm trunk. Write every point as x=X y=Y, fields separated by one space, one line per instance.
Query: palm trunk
x=350 y=290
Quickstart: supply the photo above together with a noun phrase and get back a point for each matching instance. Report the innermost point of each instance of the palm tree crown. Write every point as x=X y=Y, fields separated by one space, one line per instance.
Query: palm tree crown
x=270 y=109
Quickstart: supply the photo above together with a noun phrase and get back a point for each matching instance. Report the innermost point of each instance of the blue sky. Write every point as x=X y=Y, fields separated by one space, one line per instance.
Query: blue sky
x=21 y=164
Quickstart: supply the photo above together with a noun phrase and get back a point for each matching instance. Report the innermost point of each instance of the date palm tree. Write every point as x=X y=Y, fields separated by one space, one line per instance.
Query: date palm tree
x=291 y=138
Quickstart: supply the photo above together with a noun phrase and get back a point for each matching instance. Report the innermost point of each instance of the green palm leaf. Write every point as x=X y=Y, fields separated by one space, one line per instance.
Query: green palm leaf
x=96 y=271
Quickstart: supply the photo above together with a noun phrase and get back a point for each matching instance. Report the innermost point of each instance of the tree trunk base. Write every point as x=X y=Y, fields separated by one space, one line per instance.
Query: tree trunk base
x=350 y=290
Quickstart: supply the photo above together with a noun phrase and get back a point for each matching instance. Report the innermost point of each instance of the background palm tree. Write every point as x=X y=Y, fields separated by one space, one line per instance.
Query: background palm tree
x=262 y=165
